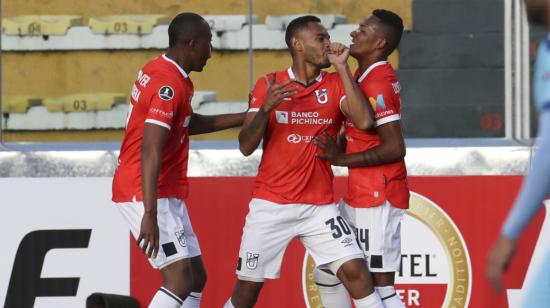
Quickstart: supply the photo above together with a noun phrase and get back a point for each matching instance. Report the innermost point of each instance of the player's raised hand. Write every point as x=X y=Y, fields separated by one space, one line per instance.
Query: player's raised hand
x=498 y=261
x=332 y=151
x=338 y=54
x=149 y=234
x=277 y=92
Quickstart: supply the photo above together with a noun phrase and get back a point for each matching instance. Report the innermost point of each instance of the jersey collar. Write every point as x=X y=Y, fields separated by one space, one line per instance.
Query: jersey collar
x=176 y=65
x=368 y=70
x=293 y=77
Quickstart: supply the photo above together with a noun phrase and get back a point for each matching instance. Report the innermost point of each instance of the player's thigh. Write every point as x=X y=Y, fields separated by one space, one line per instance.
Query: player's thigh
x=378 y=232
x=328 y=237
x=177 y=239
x=268 y=229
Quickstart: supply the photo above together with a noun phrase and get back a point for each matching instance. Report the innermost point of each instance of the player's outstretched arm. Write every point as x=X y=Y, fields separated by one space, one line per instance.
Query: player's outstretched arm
x=535 y=188
x=154 y=137
x=391 y=149
x=255 y=123
x=202 y=124
x=354 y=106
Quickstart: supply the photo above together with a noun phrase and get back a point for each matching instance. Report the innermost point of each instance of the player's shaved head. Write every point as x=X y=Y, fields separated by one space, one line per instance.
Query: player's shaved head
x=537 y=11
x=391 y=28
x=297 y=25
x=185 y=27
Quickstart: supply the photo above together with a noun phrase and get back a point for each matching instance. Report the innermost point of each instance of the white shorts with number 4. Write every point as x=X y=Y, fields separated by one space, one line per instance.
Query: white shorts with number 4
x=176 y=237
x=270 y=227
x=378 y=231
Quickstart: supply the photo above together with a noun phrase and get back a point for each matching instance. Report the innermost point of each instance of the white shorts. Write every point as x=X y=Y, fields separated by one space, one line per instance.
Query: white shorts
x=378 y=231
x=270 y=227
x=176 y=237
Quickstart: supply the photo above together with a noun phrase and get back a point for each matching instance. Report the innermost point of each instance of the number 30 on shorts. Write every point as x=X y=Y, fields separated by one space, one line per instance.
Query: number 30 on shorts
x=338 y=228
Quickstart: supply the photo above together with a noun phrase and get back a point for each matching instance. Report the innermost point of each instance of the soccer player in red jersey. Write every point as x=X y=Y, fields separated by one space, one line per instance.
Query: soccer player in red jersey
x=378 y=193
x=293 y=194
x=150 y=182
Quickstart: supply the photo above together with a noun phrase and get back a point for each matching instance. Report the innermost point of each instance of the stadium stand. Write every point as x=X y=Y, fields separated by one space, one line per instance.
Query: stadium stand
x=126 y=24
x=39 y=24
x=101 y=50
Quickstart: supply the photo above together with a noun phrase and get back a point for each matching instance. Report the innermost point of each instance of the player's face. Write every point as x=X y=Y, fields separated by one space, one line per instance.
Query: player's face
x=316 y=42
x=365 y=38
x=203 y=50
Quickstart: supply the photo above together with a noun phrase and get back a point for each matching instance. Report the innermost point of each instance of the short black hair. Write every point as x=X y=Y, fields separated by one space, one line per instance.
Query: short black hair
x=537 y=11
x=185 y=27
x=394 y=24
x=296 y=25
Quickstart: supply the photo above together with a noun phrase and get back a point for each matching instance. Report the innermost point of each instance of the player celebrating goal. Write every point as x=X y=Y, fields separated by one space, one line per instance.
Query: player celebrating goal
x=150 y=182
x=293 y=194
x=378 y=192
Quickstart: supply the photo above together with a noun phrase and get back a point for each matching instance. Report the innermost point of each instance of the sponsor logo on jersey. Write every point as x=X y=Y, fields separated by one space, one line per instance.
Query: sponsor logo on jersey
x=252 y=260
x=308 y=118
x=180 y=235
x=435 y=262
x=295 y=138
x=135 y=93
x=281 y=116
x=322 y=96
x=396 y=87
x=377 y=103
x=166 y=93
x=143 y=79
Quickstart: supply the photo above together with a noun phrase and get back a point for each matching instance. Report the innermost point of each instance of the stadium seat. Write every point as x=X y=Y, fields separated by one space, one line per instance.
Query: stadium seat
x=30 y=25
x=202 y=97
x=19 y=104
x=212 y=108
x=84 y=102
x=221 y=23
x=126 y=24
x=280 y=22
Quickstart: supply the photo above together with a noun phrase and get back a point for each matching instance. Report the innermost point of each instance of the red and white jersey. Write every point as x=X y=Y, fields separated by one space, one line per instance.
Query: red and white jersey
x=289 y=171
x=372 y=186
x=161 y=95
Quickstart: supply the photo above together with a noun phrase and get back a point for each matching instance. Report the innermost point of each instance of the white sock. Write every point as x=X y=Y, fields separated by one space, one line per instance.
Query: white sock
x=229 y=304
x=371 y=301
x=332 y=291
x=165 y=299
x=193 y=300
x=389 y=297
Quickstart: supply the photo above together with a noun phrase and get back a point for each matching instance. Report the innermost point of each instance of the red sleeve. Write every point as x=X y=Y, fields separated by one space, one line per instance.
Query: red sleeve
x=257 y=95
x=164 y=99
x=385 y=102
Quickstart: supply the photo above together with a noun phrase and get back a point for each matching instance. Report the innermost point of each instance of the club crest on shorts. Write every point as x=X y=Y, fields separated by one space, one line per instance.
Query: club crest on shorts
x=322 y=96
x=180 y=235
x=252 y=260
x=166 y=93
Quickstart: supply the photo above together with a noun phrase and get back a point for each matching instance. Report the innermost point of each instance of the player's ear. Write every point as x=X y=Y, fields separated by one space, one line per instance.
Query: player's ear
x=381 y=43
x=296 y=44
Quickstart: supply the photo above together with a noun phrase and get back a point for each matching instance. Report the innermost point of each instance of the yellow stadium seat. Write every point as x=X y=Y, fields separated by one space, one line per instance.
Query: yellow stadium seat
x=84 y=102
x=126 y=24
x=39 y=24
x=19 y=103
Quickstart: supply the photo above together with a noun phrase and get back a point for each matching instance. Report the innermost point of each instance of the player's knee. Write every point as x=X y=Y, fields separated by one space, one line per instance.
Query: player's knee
x=199 y=281
x=354 y=270
x=246 y=293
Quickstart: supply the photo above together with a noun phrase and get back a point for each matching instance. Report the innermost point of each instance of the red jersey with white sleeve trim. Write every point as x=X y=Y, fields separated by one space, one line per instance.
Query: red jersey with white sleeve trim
x=373 y=185
x=290 y=171
x=161 y=95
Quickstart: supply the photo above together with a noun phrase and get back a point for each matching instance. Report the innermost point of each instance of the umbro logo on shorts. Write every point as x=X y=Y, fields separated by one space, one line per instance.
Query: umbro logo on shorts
x=166 y=93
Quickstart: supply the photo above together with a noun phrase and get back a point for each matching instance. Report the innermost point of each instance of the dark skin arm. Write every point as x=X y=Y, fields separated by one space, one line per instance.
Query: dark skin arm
x=255 y=123
x=391 y=148
x=202 y=124
x=154 y=138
